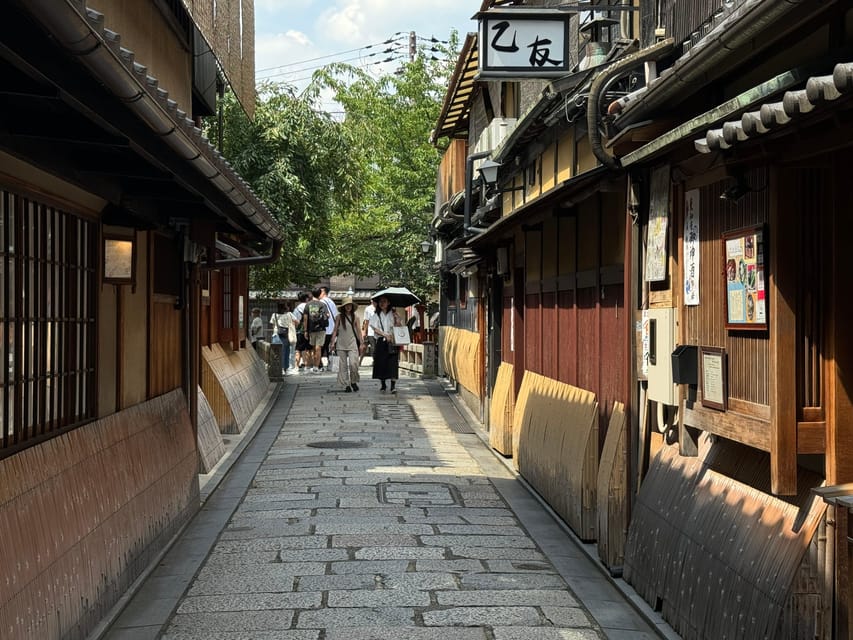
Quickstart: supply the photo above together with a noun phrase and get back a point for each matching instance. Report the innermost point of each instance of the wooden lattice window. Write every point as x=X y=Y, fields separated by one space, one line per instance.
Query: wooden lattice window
x=48 y=278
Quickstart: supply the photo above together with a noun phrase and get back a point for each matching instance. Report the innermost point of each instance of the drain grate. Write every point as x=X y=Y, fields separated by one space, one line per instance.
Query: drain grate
x=393 y=412
x=337 y=444
x=460 y=427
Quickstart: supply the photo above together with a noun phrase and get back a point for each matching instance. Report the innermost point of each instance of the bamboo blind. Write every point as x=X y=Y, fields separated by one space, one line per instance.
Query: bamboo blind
x=555 y=438
x=500 y=414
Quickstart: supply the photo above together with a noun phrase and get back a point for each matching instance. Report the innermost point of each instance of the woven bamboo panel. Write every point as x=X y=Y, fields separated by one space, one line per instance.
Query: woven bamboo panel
x=710 y=543
x=83 y=514
x=234 y=383
x=556 y=426
x=500 y=413
x=211 y=446
x=612 y=491
x=460 y=357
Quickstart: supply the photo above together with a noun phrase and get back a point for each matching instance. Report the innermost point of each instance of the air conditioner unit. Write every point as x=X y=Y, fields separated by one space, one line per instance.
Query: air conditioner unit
x=494 y=133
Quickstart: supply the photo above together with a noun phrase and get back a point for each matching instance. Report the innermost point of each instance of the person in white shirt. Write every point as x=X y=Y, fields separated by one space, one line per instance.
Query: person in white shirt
x=322 y=293
x=367 y=330
x=386 y=357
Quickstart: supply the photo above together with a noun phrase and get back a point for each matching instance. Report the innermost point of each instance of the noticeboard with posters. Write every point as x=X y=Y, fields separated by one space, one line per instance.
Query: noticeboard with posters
x=744 y=263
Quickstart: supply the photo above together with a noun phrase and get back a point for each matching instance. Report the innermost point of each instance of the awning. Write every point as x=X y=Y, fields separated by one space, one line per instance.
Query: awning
x=453 y=120
x=745 y=100
x=567 y=193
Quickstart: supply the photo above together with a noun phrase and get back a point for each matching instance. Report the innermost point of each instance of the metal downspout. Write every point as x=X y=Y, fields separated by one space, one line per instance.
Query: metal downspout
x=469 y=168
x=597 y=88
x=274 y=254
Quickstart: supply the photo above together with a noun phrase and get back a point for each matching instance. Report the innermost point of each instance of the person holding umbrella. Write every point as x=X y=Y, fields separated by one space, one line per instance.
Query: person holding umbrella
x=386 y=358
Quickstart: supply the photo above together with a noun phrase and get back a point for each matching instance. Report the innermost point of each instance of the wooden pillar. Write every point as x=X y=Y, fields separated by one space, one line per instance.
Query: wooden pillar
x=782 y=249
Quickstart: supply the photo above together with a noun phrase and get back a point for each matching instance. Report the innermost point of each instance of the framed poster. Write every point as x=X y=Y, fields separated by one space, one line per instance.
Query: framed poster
x=119 y=260
x=714 y=378
x=744 y=272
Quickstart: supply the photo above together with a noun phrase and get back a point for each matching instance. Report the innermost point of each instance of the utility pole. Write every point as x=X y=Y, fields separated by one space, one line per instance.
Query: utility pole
x=413 y=49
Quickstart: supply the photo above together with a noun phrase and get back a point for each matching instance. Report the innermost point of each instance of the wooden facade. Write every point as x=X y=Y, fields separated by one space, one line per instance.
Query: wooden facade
x=108 y=219
x=733 y=117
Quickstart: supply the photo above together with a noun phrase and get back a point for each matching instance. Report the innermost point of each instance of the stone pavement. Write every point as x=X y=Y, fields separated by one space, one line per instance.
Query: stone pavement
x=371 y=516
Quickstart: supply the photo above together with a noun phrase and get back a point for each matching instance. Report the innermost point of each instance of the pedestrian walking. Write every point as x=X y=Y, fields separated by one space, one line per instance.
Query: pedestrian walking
x=282 y=324
x=315 y=320
x=302 y=344
x=367 y=331
x=256 y=328
x=322 y=293
x=347 y=342
x=386 y=357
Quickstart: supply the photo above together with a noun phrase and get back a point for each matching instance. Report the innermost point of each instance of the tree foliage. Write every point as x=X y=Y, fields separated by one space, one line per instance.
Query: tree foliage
x=354 y=194
x=390 y=118
x=299 y=161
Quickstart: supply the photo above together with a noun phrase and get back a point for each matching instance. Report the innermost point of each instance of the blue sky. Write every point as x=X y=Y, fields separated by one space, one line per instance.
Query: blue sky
x=293 y=37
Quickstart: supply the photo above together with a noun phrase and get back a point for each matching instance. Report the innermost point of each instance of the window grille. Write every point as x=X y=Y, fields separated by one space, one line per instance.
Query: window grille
x=48 y=277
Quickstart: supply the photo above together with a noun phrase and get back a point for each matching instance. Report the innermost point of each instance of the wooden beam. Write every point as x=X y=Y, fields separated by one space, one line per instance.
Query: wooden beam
x=782 y=293
x=839 y=394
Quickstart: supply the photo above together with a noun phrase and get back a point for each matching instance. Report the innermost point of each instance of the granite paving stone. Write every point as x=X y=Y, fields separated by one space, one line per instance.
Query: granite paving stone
x=483 y=616
x=419 y=533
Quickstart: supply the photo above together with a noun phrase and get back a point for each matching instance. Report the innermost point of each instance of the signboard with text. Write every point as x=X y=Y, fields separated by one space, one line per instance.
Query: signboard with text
x=524 y=43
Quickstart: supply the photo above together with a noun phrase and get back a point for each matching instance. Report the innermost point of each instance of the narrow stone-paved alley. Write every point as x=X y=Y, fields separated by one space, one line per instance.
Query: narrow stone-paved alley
x=355 y=516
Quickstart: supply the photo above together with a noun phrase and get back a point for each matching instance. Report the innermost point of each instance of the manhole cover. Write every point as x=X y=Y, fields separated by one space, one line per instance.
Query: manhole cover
x=337 y=444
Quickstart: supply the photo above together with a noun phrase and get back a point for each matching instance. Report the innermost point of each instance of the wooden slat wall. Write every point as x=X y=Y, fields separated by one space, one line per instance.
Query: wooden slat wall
x=748 y=351
x=709 y=542
x=166 y=347
x=555 y=434
x=461 y=359
x=612 y=491
x=91 y=509
x=501 y=410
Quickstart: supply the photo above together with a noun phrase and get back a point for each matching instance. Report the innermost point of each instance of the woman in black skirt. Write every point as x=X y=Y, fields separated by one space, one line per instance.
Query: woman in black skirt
x=386 y=357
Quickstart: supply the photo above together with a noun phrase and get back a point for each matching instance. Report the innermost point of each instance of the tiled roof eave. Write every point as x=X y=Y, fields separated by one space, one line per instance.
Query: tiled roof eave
x=81 y=31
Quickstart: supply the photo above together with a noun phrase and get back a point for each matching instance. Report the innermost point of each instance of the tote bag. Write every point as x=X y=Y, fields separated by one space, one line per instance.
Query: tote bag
x=401 y=335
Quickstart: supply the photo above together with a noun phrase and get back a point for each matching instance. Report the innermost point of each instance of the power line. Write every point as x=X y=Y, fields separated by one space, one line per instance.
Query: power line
x=320 y=66
x=365 y=65
x=390 y=40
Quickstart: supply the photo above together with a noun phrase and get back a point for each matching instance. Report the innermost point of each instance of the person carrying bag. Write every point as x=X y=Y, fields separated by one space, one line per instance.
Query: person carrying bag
x=282 y=326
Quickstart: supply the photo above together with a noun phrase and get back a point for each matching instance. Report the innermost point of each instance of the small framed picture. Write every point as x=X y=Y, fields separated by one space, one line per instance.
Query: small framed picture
x=714 y=378
x=119 y=260
x=744 y=263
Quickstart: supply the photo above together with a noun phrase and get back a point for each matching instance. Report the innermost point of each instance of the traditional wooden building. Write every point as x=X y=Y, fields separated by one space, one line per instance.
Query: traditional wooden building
x=124 y=243
x=668 y=251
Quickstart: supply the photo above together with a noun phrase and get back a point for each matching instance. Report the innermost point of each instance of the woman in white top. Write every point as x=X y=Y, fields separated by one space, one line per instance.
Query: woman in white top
x=347 y=341
x=386 y=357
x=282 y=324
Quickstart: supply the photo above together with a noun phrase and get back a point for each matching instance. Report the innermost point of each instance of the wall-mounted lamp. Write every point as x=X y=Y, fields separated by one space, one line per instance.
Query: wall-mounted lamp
x=426 y=246
x=489 y=173
x=736 y=191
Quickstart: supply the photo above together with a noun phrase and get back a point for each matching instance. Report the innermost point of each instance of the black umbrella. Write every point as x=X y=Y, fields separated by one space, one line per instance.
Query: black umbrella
x=397 y=296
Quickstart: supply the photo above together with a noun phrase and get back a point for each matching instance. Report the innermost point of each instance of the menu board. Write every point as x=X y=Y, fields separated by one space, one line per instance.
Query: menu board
x=744 y=269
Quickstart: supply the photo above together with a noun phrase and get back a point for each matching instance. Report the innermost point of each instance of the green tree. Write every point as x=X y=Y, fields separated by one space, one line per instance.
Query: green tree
x=299 y=161
x=389 y=119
